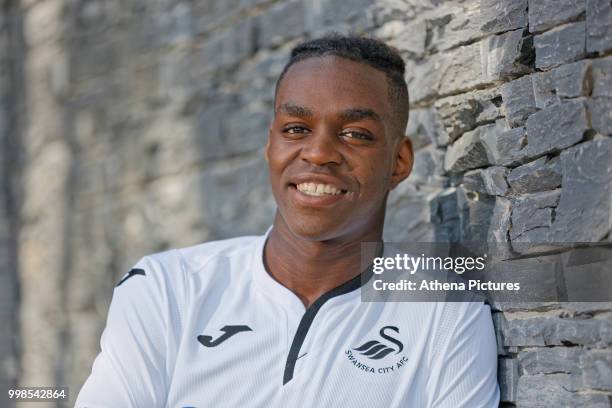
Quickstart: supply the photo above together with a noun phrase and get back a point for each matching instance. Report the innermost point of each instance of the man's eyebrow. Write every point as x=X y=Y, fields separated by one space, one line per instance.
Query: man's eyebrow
x=357 y=114
x=293 y=109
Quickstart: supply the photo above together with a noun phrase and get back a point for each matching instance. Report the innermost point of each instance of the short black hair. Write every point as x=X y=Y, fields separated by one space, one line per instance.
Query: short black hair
x=366 y=50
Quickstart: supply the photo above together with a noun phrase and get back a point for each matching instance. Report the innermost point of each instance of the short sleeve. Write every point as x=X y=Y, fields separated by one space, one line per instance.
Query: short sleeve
x=130 y=369
x=465 y=370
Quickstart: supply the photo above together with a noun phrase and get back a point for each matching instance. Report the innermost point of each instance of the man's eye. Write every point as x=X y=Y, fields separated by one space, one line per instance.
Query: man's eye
x=356 y=135
x=295 y=130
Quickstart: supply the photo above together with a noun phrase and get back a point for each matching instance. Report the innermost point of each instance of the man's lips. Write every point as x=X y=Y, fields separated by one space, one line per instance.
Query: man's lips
x=317 y=190
x=318 y=184
x=308 y=199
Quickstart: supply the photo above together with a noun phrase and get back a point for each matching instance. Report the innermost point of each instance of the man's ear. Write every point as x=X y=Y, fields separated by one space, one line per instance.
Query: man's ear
x=404 y=159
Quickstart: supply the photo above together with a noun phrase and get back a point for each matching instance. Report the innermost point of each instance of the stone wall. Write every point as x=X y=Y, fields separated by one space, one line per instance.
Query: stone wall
x=143 y=129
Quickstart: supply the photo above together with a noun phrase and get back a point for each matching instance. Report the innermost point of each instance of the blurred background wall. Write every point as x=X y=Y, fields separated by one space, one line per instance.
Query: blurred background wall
x=132 y=126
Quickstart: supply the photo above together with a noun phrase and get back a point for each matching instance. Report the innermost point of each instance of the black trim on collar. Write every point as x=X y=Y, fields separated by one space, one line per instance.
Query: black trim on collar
x=308 y=317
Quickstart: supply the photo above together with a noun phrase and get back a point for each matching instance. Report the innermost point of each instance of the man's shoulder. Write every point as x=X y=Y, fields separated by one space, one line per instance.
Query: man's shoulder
x=194 y=258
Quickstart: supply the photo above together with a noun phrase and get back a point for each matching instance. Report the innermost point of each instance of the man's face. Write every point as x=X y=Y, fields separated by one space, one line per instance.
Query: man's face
x=333 y=153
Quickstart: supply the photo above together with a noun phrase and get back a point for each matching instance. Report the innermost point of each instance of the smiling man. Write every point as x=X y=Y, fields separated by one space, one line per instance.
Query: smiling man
x=277 y=320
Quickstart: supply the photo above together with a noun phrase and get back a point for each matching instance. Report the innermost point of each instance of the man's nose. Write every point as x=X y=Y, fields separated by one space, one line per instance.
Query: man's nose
x=321 y=148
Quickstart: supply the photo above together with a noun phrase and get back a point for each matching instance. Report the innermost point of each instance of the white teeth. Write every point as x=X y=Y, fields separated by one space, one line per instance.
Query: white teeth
x=318 y=189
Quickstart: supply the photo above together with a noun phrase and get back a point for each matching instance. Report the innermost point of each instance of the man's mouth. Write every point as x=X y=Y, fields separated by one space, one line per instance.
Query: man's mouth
x=316 y=189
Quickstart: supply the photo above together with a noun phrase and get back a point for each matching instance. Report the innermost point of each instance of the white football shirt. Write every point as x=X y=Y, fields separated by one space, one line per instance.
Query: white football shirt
x=207 y=326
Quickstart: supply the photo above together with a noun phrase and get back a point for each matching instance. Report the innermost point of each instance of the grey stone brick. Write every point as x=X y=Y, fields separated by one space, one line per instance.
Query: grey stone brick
x=583 y=213
x=545 y=89
x=491 y=180
x=475 y=215
x=468 y=152
x=567 y=81
x=599 y=26
x=602 y=77
x=538 y=282
x=600 y=112
x=597 y=371
x=539 y=175
x=505 y=147
x=503 y=15
x=507 y=55
x=548 y=390
x=572 y=80
x=560 y=45
x=507 y=376
x=461 y=113
x=461 y=69
x=533 y=211
x=551 y=360
x=473 y=180
x=451 y=24
x=542 y=16
x=519 y=100
x=555 y=331
x=530 y=239
x=556 y=128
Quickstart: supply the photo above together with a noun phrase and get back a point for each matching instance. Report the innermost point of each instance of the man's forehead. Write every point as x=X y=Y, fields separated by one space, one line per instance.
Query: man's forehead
x=332 y=65
x=346 y=84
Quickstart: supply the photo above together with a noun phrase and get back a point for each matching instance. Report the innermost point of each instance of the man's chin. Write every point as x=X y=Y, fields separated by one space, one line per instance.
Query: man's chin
x=315 y=230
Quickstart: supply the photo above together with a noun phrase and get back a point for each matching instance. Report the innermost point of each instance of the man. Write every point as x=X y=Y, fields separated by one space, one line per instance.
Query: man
x=277 y=320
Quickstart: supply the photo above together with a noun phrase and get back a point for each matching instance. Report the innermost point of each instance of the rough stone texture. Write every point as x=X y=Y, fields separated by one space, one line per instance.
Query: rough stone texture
x=555 y=330
x=533 y=212
x=583 y=213
x=519 y=100
x=458 y=114
x=468 y=152
x=505 y=147
x=599 y=29
x=555 y=128
x=567 y=81
x=491 y=180
x=507 y=55
x=560 y=45
x=503 y=15
x=541 y=18
x=555 y=390
x=600 y=112
x=539 y=175
x=154 y=114
x=598 y=370
x=602 y=77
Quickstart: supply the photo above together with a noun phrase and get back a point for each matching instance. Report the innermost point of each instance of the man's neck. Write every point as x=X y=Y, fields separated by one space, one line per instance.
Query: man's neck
x=311 y=268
